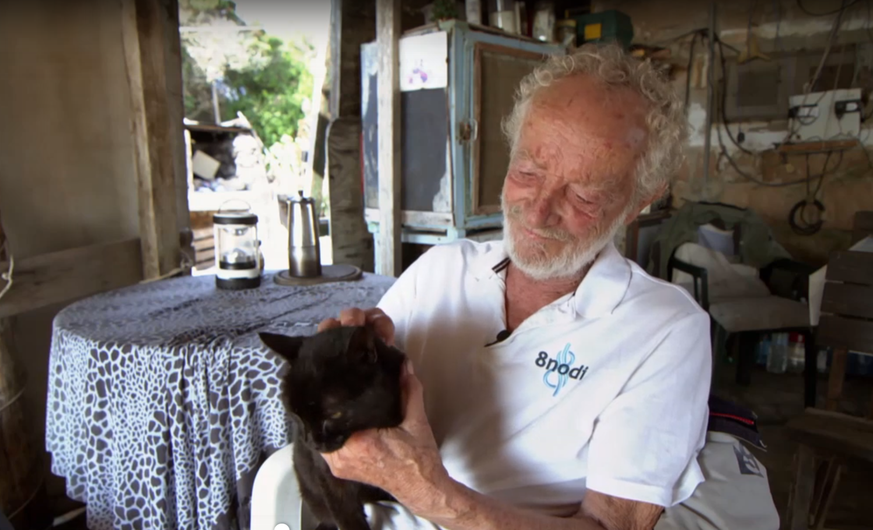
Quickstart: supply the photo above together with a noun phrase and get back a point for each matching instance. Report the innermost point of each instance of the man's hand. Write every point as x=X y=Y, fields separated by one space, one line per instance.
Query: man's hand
x=404 y=461
x=375 y=317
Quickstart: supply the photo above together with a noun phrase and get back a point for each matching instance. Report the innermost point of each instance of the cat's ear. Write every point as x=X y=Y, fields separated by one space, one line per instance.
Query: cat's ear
x=287 y=347
x=362 y=343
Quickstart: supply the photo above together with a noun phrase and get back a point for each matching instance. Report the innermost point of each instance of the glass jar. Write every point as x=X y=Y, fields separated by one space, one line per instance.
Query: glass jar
x=544 y=22
x=566 y=32
x=237 y=250
x=474 y=11
x=501 y=14
x=521 y=18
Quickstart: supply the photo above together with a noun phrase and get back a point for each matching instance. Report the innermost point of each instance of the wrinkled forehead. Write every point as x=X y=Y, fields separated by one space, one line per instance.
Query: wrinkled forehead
x=580 y=112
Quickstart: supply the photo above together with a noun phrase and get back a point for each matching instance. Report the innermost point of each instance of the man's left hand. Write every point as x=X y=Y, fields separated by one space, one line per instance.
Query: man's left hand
x=404 y=461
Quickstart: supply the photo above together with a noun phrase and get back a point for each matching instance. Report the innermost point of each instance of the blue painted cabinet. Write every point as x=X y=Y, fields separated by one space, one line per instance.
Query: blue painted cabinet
x=457 y=83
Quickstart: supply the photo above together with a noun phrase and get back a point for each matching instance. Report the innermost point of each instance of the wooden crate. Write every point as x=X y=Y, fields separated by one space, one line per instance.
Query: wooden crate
x=204 y=239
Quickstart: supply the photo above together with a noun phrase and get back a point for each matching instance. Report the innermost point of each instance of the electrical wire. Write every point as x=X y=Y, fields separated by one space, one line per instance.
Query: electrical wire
x=7 y=276
x=867 y=25
x=777 y=44
x=688 y=71
x=723 y=100
x=681 y=36
x=723 y=148
x=797 y=121
x=838 y=21
x=829 y=13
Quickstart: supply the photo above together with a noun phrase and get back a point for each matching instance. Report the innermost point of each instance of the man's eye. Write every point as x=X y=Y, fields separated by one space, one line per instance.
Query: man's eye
x=526 y=175
x=582 y=199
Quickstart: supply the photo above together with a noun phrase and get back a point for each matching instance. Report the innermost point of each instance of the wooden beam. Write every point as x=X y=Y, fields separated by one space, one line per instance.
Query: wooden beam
x=821 y=146
x=71 y=274
x=147 y=31
x=387 y=35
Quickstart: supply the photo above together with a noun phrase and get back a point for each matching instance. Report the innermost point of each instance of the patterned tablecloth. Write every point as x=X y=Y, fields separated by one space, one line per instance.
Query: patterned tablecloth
x=162 y=402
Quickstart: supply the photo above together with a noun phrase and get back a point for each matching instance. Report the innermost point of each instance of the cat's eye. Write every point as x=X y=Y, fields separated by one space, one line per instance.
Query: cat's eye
x=336 y=415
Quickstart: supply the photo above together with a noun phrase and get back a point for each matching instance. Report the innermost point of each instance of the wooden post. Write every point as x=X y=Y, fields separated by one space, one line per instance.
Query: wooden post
x=353 y=23
x=22 y=492
x=148 y=33
x=387 y=35
x=802 y=488
x=836 y=377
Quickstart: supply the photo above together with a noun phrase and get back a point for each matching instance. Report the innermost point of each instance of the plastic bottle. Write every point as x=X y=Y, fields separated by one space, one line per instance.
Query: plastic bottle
x=778 y=360
x=763 y=350
x=796 y=354
x=821 y=361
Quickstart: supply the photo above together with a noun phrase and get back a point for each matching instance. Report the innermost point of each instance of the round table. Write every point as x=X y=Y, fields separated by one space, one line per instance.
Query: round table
x=163 y=402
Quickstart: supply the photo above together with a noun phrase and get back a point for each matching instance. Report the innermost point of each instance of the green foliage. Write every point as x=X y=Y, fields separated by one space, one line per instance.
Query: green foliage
x=261 y=76
x=444 y=10
x=271 y=89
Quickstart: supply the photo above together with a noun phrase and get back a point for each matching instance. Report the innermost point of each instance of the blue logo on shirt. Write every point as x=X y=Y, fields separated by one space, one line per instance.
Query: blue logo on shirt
x=560 y=370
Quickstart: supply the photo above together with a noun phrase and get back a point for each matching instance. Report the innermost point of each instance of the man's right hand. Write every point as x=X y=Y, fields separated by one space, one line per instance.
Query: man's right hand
x=374 y=317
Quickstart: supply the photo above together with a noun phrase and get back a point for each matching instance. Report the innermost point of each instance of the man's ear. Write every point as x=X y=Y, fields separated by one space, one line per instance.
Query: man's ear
x=362 y=343
x=286 y=347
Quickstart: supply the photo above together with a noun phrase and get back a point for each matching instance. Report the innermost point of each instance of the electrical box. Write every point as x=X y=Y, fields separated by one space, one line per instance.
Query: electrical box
x=604 y=26
x=831 y=115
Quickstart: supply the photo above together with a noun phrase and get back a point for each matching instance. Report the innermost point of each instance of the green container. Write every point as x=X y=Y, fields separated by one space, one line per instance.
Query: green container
x=605 y=26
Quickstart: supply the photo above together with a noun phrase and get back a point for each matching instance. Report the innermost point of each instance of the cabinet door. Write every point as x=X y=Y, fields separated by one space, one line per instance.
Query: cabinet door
x=498 y=68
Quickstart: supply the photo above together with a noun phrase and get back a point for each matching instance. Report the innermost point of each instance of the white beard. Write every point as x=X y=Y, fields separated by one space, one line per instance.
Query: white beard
x=572 y=259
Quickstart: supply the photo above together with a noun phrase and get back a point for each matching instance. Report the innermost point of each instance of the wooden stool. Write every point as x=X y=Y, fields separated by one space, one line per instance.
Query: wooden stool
x=833 y=438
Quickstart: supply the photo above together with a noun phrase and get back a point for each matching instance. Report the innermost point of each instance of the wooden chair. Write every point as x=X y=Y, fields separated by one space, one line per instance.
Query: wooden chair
x=826 y=435
x=746 y=318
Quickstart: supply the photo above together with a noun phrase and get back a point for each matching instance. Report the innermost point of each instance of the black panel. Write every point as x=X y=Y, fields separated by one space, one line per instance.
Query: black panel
x=423 y=140
x=424 y=118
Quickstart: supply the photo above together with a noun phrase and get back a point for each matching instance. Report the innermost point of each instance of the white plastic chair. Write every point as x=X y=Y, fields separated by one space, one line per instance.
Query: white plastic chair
x=276 y=502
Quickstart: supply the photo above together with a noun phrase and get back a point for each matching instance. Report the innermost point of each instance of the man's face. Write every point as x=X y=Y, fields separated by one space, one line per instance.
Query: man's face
x=571 y=182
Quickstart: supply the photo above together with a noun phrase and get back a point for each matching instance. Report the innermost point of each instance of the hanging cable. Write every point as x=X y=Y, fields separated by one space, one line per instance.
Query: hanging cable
x=723 y=100
x=829 y=13
x=776 y=42
x=688 y=71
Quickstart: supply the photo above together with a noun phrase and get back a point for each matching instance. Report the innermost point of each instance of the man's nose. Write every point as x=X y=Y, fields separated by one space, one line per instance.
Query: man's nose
x=540 y=212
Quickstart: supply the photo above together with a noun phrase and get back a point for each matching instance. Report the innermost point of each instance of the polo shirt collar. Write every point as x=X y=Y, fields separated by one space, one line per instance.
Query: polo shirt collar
x=599 y=293
x=605 y=285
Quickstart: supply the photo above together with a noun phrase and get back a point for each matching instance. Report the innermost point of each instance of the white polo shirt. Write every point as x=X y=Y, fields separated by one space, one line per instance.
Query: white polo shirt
x=605 y=388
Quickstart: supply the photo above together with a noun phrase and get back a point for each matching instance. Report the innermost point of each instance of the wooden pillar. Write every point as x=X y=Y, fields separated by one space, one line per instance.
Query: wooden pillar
x=388 y=15
x=353 y=23
x=22 y=488
x=150 y=35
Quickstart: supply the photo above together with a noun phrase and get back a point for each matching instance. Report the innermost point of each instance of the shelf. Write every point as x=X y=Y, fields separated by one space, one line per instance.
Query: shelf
x=819 y=146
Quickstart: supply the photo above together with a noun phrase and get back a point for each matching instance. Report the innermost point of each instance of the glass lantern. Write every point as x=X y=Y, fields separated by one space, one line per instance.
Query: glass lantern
x=237 y=250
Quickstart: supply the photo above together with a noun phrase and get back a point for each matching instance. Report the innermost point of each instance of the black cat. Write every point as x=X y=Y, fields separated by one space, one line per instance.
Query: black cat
x=340 y=381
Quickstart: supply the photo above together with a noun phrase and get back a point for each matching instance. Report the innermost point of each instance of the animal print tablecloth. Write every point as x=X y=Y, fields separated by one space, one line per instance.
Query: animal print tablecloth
x=162 y=402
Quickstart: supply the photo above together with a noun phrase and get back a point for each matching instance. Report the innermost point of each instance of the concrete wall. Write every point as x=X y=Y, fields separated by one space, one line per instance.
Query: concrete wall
x=846 y=190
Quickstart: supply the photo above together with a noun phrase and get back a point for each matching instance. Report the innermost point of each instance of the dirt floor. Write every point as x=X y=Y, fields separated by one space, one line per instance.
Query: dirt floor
x=776 y=399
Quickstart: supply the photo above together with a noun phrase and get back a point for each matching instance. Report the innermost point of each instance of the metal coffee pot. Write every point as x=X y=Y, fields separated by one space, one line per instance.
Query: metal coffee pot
x=304 y=253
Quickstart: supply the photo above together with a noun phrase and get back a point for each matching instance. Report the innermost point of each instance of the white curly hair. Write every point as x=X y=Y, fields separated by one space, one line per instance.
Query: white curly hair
x=667 y=126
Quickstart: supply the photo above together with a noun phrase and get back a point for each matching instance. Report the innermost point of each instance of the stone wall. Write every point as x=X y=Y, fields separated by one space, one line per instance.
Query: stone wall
x=847 y=188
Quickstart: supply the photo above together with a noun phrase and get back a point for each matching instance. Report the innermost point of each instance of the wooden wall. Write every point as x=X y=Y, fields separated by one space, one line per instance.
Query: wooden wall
x=69 y=171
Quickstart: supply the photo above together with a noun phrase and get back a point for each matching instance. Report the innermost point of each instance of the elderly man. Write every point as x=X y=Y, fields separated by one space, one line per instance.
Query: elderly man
x=552 y=384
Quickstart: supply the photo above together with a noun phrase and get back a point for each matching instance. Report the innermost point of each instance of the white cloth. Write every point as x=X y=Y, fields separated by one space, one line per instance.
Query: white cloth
x=726 y=280
x=163 y=401
x=605 y=388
